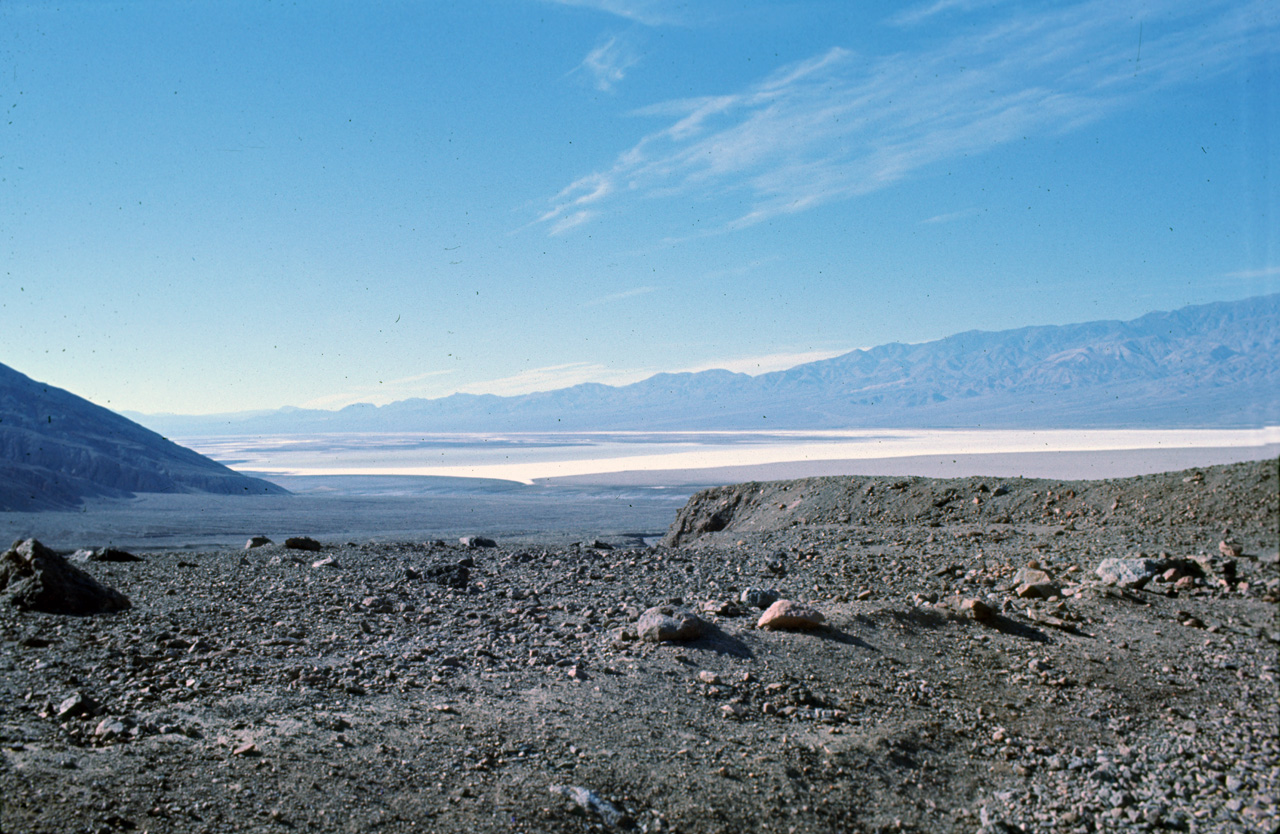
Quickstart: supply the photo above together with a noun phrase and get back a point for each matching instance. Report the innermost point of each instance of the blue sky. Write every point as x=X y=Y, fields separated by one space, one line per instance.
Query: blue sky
x=218 y=206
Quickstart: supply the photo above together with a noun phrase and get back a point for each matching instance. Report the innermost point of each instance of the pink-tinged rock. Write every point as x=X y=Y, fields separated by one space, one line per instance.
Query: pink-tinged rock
x=788 y=614
x=977 y=609
x=1231 y=550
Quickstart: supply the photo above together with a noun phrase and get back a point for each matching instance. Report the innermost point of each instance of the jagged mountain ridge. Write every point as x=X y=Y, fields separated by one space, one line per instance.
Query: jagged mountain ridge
x=57 y=449
x=1206 y=365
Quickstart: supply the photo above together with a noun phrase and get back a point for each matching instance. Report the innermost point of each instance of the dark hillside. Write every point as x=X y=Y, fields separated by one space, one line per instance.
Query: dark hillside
x=57 y=449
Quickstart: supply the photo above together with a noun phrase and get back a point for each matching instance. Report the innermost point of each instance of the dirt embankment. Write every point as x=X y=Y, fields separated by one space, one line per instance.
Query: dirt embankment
x=1246 y=492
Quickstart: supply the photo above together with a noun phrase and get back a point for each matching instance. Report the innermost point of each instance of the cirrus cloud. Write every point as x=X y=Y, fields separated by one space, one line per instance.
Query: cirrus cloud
x=840 y=124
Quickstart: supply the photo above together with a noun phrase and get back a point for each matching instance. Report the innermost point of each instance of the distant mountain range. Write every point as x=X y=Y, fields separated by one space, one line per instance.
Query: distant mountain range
x=1213 y=365
x=57 y=449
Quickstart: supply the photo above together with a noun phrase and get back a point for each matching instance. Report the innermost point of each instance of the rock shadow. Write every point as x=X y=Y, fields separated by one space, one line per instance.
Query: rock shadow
x=830 y=632
x=715 y=639
x=919 y=618
x=1004 y=625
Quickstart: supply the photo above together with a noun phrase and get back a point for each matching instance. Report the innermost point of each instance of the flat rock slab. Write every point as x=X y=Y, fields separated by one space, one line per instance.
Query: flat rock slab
x=789 y=614
x=34 y=578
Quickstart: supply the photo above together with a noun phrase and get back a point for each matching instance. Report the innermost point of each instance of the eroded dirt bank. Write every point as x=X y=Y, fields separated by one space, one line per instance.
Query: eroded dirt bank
x=974 y=672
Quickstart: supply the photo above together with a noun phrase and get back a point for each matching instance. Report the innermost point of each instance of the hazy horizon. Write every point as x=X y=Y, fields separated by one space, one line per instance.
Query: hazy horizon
x=227 y=207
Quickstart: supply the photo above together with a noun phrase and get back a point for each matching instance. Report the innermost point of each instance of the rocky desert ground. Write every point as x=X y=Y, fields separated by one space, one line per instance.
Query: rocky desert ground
x=943 y=655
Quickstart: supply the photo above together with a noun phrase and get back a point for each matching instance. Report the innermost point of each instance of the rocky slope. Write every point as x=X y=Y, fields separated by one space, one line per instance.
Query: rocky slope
x=974 y=672
x=57 y=449
x=1147 y=500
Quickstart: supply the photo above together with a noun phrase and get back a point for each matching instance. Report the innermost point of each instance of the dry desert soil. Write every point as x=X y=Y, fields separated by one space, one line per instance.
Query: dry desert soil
x=974 y=671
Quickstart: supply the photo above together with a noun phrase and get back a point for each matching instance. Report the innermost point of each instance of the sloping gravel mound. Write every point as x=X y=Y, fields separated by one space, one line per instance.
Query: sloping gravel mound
x=1242 y=490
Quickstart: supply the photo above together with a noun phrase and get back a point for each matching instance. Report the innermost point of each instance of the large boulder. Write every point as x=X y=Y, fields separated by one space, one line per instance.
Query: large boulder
x=34 y=578
x=664 y=624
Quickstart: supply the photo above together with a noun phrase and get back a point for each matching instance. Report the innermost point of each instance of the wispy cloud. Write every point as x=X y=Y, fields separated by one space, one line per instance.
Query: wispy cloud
x=1264 y=272
x=927 y=11
x=608 y=63
x=647 y=12
x=384 y=392
x=576 y=373
x=840 y=125
x=553 y=377
x=768 y=362
x=618 y=296
x=952 y=215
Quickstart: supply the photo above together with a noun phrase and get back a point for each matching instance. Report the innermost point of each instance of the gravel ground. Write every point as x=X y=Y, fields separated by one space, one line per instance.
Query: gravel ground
x=973 y=673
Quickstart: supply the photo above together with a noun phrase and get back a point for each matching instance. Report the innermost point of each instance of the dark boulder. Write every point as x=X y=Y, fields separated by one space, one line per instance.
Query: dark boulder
x=104 y=554
x=34 y=578
x=450 y=576
x=302 y=543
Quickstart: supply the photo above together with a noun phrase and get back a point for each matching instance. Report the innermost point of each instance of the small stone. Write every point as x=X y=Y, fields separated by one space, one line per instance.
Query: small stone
x=707 y=676
x=1128 y=573
x=257 y=541
x=326 y=562
x=977 y=609
x=577 y=673
x=112 y=554
x=733 y=710
x=247 y=749
x=302 y=543
x=110 y=728
x=788 y=614
x=1033 y=583
x=476 y=541
x=1231 y=550
x=76 y=705
x=450 y=576
x=864 y=595
x=760 y=598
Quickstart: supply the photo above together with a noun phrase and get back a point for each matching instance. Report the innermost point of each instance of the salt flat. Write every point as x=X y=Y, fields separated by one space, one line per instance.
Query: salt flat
x=399 y=487
x=721 y=457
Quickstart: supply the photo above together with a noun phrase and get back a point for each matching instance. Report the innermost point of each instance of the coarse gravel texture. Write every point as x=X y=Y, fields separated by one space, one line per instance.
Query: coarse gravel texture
x=428 y=686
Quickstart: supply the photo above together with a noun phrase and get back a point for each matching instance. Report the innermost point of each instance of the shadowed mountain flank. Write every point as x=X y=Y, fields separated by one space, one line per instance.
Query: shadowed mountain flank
x=57 y=449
